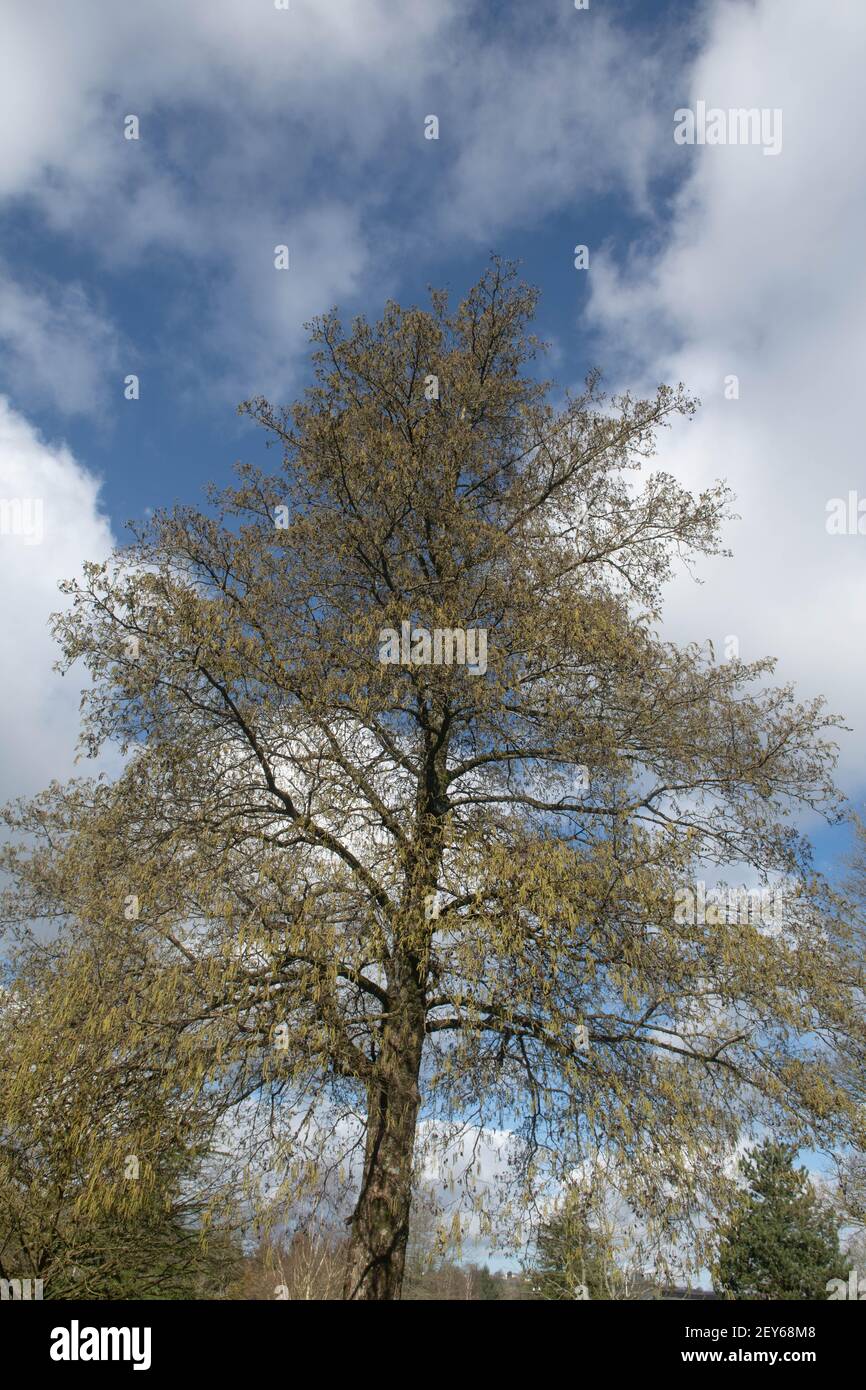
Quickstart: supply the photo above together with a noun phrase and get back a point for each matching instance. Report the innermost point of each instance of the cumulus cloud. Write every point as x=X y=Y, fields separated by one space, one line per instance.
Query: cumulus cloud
x=260 y=126
x=56 y=524
x=261 y=311
x=257 y=126
x=66 y=75
x=761 y=277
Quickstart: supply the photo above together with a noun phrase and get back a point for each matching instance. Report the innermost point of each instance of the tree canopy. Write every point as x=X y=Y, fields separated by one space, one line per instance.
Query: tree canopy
x=393 y=902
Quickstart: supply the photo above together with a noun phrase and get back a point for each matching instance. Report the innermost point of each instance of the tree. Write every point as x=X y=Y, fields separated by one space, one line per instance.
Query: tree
x=779 y=1240
x=433 y=1250
x=574 y=1260
x=851 y=1165
x=308 y=1266
x=488 y=1285
x=102 y=1193
x=590 y=1248
x=850 y=1190
x=376 y=883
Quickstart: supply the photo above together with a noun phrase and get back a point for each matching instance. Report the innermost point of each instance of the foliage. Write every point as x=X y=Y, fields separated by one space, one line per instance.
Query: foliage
x=372 y=894
x=573 y=1259
x=778 y=1240
x=102 y=1193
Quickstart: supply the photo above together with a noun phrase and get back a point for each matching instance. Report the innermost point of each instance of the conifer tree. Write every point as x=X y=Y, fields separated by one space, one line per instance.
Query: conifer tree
x=574 y=1257
x=779 y=1240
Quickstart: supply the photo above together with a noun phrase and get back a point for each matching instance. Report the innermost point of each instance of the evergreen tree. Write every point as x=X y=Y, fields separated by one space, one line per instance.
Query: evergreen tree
x=488 y=1285
x=575 y=1259
x=778 y=1240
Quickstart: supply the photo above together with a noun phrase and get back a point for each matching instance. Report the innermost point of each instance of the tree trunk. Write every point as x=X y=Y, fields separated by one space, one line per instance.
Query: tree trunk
x=380 y=1224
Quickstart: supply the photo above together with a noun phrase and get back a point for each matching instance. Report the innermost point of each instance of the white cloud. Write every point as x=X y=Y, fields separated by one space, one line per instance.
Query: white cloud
x=38 y=708
x=56 y=346
x=763 y=276
x=257 y=126
x=262 y=311
x=69 y=74
x=548 y=115
x=254 y=120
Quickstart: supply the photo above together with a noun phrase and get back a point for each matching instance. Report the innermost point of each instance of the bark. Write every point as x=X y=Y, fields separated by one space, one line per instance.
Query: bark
x=380 y=1223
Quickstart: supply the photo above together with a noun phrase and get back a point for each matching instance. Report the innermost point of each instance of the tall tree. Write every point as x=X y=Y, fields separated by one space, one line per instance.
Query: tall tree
x=779 y=1240
x=379 y=883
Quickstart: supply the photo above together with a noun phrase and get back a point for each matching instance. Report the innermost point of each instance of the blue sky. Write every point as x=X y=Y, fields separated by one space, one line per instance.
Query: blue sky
x=164 y=303
x=261 y=126
x=306 y=127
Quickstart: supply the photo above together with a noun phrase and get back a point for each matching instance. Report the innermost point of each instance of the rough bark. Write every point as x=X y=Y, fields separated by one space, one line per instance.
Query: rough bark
x=380 y=1223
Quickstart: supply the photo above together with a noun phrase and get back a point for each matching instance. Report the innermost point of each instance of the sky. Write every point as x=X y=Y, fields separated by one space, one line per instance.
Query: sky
x=737 y=268
x=306 y=126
